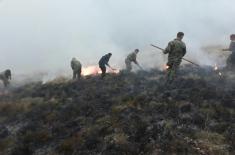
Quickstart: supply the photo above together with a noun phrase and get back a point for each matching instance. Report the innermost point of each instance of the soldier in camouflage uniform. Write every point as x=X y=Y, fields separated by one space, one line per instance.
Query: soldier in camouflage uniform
x=131 y=58
x=231 y=58
x=176 y=50
x=103 y=62
x=77 y=68
x=5 y=77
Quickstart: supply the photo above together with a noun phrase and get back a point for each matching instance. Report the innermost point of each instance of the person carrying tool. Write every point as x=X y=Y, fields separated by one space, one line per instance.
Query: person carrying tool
x=104 y=61
x=176 y=50
x=132 y=58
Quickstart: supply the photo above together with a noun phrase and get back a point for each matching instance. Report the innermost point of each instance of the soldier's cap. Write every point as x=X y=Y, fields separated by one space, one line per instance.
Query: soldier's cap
x=109 y=54
x=137 y=50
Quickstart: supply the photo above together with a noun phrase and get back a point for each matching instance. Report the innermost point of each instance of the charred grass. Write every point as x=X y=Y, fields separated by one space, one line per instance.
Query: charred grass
x=123 y=114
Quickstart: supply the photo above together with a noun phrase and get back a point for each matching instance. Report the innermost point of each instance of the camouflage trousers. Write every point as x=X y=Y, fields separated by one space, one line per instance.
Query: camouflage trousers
x=103 y=69
x=173 y=69
x=77 y=74
x=128 y=65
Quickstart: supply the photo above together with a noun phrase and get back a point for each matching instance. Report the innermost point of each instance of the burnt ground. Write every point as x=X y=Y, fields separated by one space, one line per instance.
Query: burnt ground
x=124 y=114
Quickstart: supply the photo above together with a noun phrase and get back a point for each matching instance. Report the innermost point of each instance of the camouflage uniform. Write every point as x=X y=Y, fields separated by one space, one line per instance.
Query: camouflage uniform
x=231 y=58
x=76 y=67
x=130 y=58
x=176 y=50
x=5 y=77
x=103 y=62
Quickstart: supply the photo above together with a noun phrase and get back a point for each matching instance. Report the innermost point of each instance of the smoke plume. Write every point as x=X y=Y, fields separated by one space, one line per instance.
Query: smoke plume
x=43 y=35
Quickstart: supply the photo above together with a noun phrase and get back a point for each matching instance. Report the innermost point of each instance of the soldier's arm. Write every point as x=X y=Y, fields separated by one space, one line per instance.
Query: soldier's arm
x=134 y=59
x=168 y=48
x=110 y=67
x=136 y=62
x=107 y=63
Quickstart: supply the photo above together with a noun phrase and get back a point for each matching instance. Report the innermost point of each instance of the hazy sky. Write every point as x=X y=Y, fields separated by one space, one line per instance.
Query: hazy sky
x=43 y=35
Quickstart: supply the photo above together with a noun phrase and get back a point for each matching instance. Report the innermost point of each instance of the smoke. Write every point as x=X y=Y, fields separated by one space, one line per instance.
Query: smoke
x=43 y=35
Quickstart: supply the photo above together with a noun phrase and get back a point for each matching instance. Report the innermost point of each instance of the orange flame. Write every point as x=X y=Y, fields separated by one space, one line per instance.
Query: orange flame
x=91 y=70
x=95 y=70
x=116 y=71
x=165 y=67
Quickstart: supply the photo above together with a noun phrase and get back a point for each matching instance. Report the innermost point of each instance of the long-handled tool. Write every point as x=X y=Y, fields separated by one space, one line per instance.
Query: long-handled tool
x=182 y=58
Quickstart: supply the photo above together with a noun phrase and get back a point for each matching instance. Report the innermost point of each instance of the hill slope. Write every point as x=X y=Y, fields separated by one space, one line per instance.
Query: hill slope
x=124 y=114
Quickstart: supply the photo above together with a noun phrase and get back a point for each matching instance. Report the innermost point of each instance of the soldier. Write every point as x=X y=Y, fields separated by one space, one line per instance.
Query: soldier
x=132 y=58
x=231 y=58
x=176 y=50
x=5 y=77
x=103 y=62
x=76 y=67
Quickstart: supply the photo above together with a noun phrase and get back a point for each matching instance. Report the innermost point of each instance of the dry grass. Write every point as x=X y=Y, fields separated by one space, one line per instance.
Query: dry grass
x=42 y=136
x=214 y=143
x=22 y=106
x=5 y=143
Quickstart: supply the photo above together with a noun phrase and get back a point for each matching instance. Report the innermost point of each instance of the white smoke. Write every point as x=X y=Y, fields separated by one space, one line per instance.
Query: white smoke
x=43 y=35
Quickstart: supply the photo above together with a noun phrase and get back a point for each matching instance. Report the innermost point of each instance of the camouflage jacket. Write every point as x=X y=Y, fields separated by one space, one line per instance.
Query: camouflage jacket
x=176 y=50
x=76 y=65
x=132 y=57
x=104 y=60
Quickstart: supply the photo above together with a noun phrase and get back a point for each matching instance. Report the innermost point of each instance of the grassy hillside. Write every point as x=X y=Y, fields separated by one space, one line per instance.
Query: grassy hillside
x=124 y=114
